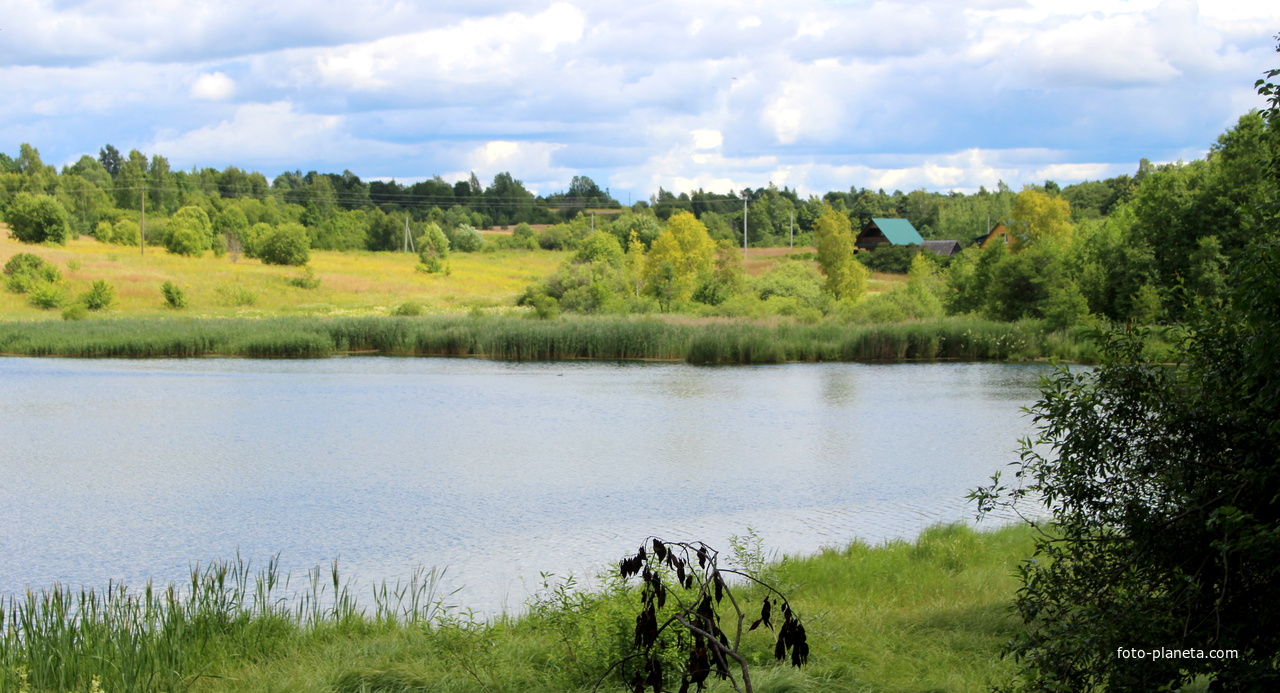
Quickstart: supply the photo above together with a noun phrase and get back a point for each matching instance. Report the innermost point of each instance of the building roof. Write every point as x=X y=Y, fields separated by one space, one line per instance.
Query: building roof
x=942 y=247
x=898 y=231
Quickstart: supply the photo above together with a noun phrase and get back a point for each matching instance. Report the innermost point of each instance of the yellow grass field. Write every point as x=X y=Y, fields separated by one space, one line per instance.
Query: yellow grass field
x=351 y=283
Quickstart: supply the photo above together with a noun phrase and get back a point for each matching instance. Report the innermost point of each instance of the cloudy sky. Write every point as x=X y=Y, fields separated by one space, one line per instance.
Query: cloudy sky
x=939 y=94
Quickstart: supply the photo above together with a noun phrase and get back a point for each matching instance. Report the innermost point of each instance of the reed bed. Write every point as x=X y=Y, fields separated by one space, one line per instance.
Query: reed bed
x=169 y=638
x=519 y=338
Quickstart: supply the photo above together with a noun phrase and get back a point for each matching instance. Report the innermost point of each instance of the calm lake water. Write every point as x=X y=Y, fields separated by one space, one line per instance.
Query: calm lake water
x=129 y=470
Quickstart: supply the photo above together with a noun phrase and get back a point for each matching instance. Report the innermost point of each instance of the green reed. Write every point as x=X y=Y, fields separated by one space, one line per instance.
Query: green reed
x=518 y=338
x=170 y=637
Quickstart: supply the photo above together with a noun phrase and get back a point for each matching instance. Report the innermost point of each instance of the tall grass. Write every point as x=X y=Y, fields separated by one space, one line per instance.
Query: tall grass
x=168 y=638
x=517 y=338
x=928 y=615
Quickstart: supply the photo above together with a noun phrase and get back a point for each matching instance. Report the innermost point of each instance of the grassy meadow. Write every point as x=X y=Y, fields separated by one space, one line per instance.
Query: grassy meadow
x=351 y=283
x=929 y=615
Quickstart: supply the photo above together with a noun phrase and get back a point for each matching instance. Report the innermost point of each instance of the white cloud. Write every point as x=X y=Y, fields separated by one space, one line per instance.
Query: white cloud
x=707 y=139
x=497 y=48
x=276 y=134
x=213 y=86
x=717 y=94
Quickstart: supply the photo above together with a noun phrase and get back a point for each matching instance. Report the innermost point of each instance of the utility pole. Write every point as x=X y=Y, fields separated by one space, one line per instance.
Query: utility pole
x=745 y=197
x=142 y=228
x=791 y=228
x=408 y=239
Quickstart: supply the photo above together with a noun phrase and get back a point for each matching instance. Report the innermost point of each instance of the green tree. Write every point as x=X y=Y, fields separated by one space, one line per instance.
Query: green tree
x=1162 y=485
x=131 y=180
x=681 y=254
x=433 y=247
x=38 y=219
x=846 y=277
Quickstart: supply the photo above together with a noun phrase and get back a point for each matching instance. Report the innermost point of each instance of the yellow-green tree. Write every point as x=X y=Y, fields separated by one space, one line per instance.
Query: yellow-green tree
x=846 y=277
x=1039 y=218
x=680 y=254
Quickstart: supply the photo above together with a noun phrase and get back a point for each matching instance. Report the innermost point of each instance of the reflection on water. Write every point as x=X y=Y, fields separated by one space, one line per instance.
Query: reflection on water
x=135 y=469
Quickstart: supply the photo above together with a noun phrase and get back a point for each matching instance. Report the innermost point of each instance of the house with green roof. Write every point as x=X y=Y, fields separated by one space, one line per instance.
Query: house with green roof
x=881 y=232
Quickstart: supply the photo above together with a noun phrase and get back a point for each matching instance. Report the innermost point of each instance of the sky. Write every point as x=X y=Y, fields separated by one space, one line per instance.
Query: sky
x=711 y=94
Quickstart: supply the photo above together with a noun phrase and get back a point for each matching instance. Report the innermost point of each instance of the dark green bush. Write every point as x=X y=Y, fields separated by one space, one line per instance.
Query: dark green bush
x=38 y=219
x=893 y=258
x=23 y=262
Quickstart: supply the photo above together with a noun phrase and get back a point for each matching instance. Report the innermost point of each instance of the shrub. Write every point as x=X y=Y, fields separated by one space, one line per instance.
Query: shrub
x=100 y=296
x=287 y=244
x=189 y=233
x=433 y=248
x=307 y=280
x=21 y=263
x=894 y=258
x=407 y=309
x=47 y=296
x=236 y=295
x=465 y=239
x=173 y=295
x=183 y=240
x=38 y=219
x=75 y=311
x=28 y=272
x=545 y=307
x=125 y=232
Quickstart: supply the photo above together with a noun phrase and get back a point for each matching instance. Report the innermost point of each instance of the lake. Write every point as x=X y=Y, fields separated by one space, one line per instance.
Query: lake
x=129 y=470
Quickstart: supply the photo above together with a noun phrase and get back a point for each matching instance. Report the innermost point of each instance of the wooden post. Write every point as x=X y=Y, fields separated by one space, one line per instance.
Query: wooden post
x=142 y=228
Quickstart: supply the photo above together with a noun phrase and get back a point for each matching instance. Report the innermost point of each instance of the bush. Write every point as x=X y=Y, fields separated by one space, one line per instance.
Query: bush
x=545 y=307
x=236 y=295
x=173 y=295
x=28 y=272
x=433 y=248
x=47 y=296
x=465 y=239
x=183 y=240
x=23 y=263
x=75 y=311
x=308 y=279
x=100 y=296
x=38 y=219
x=408 y=309
x=125 y=232
x=287 y=244
x=894 y=258
x=190 y=232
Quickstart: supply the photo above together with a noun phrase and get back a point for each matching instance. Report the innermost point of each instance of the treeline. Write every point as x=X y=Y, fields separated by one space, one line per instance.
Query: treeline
x=343 y=212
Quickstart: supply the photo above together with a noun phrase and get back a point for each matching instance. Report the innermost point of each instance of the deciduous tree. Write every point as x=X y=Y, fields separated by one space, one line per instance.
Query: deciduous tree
x=846 y=277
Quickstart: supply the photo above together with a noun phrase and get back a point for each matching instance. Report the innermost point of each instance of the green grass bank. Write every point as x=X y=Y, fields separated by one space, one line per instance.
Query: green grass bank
x=928 y=615
x=519 y=338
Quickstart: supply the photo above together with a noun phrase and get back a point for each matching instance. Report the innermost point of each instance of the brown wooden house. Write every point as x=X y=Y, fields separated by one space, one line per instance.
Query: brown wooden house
x=1000 y=232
